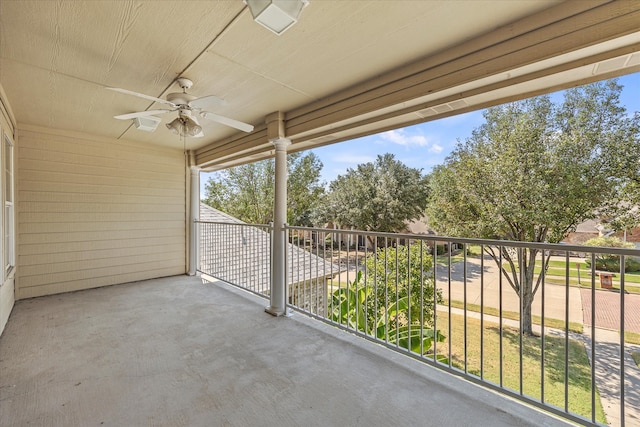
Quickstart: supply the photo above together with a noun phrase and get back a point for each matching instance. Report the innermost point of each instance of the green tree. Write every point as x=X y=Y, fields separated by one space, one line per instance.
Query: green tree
x=247 y=191
x=396 y=300
x=403 y=272
x=376 y=196
x=304 y=187
x=532 y=172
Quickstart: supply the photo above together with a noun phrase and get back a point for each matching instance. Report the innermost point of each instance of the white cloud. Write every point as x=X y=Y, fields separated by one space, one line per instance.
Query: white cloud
x=401 y=137
x=435 y=148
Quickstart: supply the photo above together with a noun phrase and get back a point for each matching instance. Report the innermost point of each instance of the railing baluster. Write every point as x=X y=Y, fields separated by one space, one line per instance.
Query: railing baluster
x=434 y=258
x=408 y=294
x=349 y=282
x=366 y=284
x=622 y=329
x=321 y=279
x=593 y=337
x=500 y=249
x=464 y=304
x=303 y=283
x=450 y=338
x=543 y=272
x=522 y=262
x=386 y=292
x=566 y=335
x=422 y=299
x=397 y=324
x=482 y=312
x=375 y=284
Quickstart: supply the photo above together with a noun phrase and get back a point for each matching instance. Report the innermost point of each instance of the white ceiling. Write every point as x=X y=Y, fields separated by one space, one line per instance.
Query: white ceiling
x=343 y=70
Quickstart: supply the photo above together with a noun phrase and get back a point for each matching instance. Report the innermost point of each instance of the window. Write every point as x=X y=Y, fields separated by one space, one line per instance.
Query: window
x=9 y=251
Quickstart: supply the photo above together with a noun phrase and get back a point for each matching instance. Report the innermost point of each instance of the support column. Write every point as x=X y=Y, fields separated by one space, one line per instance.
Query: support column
x=194 y=238
x=278 y=296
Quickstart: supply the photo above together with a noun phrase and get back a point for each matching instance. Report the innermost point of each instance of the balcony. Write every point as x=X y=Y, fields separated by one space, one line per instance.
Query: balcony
x=184 y=351
x=577 y=362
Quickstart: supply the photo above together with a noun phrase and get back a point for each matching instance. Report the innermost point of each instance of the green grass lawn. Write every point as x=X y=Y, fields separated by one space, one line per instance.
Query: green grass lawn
x=579 y=374
x=557 y=268
x=472 y=251
x=444 y=260
x=636 y=357
x=556 y=274
x=548 y=322
x=632 y=337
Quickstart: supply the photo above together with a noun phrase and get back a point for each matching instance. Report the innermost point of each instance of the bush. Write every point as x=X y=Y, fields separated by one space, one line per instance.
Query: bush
x=609 y=262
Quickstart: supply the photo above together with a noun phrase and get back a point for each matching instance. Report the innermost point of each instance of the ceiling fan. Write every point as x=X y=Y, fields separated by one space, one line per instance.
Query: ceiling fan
x=188 y=107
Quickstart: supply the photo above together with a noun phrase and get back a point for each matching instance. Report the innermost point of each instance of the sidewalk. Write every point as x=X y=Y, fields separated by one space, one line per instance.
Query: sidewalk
x=607 y=372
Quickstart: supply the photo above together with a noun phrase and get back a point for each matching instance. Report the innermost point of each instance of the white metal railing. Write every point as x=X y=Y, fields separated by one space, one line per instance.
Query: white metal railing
x=237 y=253
x=462 y=311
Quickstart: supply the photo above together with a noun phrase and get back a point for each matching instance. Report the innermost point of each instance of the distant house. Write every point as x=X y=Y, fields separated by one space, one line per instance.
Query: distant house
x=345 y=235
x=596 y=228
x=238 y=253
x=584 y=231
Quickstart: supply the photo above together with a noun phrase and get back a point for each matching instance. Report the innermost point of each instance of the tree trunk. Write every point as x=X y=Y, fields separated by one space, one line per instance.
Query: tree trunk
x=373 y=242
x=519 y=273
x=527 y=326
x=527 y=290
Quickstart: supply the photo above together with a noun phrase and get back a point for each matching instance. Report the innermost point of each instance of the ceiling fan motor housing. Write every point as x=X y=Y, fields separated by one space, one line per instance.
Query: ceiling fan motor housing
x=180 y=98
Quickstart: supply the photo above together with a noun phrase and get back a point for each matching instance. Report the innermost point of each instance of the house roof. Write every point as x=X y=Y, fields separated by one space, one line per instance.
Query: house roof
x=590 y=226
x=239 y=253
x=346 y=69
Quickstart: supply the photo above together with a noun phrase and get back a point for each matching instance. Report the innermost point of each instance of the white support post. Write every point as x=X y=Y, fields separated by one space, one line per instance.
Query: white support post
x=278 y=295
x=194 y=238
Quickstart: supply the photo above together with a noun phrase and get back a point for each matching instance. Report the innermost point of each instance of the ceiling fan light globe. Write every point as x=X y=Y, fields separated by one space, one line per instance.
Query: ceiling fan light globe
x=192 y=130
x=174 y=126
x=191 y=125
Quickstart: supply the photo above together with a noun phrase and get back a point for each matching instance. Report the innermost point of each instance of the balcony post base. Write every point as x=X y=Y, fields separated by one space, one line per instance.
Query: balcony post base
x=278 y=312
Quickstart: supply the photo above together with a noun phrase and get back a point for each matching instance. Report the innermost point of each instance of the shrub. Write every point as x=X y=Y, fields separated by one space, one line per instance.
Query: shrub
x=610 y=262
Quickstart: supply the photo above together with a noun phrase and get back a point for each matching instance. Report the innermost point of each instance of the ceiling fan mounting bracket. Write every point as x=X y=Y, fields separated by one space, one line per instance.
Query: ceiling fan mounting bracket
x=184 y=83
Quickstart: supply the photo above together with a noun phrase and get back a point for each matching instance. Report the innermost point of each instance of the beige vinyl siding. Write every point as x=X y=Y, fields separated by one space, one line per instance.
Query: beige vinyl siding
x=95 y=212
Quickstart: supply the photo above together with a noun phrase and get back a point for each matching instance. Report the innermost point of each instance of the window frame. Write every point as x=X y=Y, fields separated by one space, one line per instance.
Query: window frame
x=8 y=214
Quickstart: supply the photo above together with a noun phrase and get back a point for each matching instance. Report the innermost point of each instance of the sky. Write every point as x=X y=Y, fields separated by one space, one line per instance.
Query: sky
x=425 y=145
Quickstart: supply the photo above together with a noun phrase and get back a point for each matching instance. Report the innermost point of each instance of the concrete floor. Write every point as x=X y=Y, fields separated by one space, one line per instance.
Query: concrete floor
x=177 y=352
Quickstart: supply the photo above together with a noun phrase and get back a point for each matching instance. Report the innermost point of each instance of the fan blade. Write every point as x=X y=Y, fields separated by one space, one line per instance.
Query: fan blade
x=141 y=114
x=140 y=95
x=227 y=121
x=207 y=101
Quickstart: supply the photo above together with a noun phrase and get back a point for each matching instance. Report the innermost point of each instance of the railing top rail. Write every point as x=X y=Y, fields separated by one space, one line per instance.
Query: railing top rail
x=486 y=242
x=235 y=223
